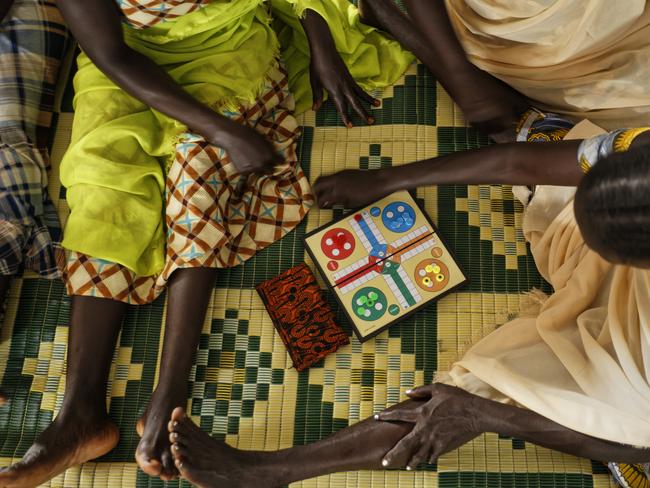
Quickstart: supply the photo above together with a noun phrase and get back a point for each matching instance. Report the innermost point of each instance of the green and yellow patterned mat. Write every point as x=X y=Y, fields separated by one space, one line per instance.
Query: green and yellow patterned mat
x=243 y=388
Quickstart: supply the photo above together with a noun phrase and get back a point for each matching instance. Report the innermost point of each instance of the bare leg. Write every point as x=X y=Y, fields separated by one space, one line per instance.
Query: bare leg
x=82 y=431
x=447 y=419
x=189 y=293
x=209 y=463
x=489 y=104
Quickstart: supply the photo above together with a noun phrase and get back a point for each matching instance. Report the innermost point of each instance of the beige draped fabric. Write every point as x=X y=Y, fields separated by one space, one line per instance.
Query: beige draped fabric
x=584 y=360
x=583 y=58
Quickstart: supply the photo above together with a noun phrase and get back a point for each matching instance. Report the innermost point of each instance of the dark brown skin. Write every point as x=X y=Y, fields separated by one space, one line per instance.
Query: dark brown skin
x=76 y=438
x=488 y=104
x=437 y=419
x=82 y=430
x=512 y=164
x=328 y=72
x=430 y=36
x=97 y=27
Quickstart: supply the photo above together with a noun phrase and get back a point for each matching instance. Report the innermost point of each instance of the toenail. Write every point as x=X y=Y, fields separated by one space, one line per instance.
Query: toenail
x=175 y=424
x=409 y=468
x=384 y=463
x=176 y=447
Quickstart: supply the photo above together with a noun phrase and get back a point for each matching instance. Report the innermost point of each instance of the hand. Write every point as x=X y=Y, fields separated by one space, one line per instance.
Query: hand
x=328 y=72
x=446 y=421
x=249 y=151
x=351 y=188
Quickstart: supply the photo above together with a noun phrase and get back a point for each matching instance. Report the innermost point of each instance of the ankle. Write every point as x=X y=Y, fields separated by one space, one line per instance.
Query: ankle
x=170 y=394
x=84 y=412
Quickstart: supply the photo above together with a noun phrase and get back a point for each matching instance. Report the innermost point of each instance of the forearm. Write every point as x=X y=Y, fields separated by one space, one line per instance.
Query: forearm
x=552 y=163
x=526 y=425
x=143 y=79
x=97 y=27
x=428 y=34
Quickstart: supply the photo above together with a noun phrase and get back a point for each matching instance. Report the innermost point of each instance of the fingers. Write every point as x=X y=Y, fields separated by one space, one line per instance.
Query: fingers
x=358 y=108
x=433 y=459
x=419 y=457
x=342 y=109
x=366 y=97
x=403 y=451
x=317 y=92
x=398 y=415
x=420 y=393
x=322 y=192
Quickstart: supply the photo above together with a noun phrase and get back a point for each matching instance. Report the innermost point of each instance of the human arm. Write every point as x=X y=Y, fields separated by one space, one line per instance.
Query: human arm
x=539 y=163
x=328 y=72
x=449 y=417
x=97 y=27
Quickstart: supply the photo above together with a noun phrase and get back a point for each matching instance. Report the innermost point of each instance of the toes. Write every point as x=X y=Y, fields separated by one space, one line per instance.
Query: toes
x=169 y=470
x=178 y=450
x=181 y=464
x=174 y=437
x=178 y=414
x=185 y=427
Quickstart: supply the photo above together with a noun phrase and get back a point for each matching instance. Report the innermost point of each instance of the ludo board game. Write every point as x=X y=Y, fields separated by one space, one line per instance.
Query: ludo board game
x=384 y=262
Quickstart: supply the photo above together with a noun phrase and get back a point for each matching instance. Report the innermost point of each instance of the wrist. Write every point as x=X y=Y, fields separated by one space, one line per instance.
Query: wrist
x=221 y=131
x=318 y=32
x=482 y=415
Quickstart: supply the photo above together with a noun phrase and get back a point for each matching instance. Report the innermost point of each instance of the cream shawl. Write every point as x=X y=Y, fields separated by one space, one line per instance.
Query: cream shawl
x=584 y=361
x=584 y=58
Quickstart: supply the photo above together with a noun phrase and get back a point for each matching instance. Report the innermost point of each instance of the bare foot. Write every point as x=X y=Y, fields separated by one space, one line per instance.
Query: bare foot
x=209 y=463
x=62 y=445
x=351 y=188
x=153 y=453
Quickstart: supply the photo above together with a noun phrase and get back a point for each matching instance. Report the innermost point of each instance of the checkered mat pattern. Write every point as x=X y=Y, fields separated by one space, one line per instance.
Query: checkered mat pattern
x=243 y=388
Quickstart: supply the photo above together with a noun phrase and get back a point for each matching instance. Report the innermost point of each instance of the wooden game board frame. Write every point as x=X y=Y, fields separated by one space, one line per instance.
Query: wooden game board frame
x=415 y=309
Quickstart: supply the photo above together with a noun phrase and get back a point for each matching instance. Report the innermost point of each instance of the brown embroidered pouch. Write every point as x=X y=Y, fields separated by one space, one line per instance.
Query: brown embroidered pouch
x=301 y=316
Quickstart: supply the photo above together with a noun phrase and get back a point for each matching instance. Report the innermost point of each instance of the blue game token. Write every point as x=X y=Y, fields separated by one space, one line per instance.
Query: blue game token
x=398 y=217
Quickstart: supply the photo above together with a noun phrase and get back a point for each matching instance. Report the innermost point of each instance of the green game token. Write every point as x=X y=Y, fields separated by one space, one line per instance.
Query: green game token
x=370 y=302
x=393 y=309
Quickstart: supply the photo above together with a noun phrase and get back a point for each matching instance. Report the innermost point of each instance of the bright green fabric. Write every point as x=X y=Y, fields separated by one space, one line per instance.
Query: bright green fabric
x=374 y=60
x=114 y=170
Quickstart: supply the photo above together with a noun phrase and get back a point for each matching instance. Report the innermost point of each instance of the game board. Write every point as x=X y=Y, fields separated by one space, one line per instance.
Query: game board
x=383 y=262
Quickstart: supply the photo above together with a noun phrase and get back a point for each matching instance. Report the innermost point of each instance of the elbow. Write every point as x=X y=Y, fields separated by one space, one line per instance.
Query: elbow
x=110 y=58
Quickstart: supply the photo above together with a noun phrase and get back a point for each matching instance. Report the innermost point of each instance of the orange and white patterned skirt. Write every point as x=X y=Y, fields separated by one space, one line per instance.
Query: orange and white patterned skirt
x=213 y=218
